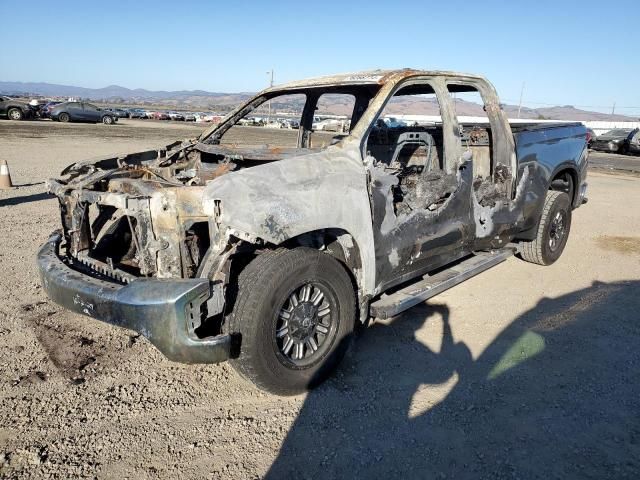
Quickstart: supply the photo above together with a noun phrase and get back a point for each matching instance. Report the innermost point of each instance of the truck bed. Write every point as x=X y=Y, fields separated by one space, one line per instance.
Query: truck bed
x=551 y=145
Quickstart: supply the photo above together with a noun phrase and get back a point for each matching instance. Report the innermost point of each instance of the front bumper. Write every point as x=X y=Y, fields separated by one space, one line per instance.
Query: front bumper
x=159 y=309
x=609 y=147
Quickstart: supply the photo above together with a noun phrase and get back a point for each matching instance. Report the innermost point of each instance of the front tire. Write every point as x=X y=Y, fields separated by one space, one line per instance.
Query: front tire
x=295 y=314
x=63 y=117
x=15 y=114
x=107 y=120
x=553 y=231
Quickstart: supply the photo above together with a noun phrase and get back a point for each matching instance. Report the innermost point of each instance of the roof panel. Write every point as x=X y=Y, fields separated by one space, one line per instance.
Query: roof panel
x=366 y=77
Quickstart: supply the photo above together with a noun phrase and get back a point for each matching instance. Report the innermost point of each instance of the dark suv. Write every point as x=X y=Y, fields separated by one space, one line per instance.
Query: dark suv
x=14 y=109
x=618 y=140
x=82 y=112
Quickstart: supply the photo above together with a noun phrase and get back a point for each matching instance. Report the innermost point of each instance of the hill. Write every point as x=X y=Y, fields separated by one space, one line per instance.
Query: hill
x=204 y=100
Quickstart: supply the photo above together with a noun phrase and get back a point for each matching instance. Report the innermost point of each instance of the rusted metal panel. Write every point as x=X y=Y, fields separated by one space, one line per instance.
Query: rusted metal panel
x=311 y=192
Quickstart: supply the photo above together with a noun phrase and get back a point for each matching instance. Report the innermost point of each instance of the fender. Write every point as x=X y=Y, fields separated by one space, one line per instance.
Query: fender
x=286 y=198
x=530 y=233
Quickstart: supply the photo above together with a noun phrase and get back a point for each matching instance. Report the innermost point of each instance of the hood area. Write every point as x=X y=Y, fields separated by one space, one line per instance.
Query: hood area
x=185 y=163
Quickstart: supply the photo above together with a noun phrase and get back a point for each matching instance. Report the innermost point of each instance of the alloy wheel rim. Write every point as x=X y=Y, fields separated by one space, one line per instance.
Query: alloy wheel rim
x=306 y=325
x=557 y=231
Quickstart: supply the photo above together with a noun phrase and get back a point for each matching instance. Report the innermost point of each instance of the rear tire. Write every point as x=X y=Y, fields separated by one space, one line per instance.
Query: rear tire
x=553 y=231
x=15 y=114
x=295 y=312
x=63 y=117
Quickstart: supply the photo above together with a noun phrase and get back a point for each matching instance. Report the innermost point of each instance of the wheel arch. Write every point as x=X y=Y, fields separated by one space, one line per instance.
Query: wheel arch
x=556 y=181
x=336 y=242
x=240 y=251
x=565 y=178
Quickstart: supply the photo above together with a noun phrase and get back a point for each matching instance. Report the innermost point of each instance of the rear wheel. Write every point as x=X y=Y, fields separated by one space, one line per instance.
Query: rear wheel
x=63 y=117
x=553 y=230
x=15 y=114
x=295 y=313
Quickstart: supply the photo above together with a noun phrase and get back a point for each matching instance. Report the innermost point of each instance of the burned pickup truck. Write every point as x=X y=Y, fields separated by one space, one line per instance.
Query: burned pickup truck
x=268 y=246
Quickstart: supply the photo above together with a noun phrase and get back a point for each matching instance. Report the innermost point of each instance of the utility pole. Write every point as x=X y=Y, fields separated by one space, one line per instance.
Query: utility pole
x=520 y=102
x=270 y=72
x=613 y=109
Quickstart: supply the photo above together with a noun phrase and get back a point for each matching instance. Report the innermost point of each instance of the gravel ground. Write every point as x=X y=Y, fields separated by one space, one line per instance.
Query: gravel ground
x=521 y=372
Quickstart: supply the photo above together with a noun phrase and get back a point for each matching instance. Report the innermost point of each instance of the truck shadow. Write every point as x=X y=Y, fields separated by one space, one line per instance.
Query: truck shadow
x=35 y=197
x=555 y=395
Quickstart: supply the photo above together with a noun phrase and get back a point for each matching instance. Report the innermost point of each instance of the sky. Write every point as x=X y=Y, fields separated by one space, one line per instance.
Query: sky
x=581 y=53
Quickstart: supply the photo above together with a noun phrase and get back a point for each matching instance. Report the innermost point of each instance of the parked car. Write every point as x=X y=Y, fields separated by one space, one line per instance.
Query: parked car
x=393 y=122
x=273 y=123
x=189 y=117
x=614 y=141
x=121 y=112
x=82 y=112
x=136 y=113
x=591 y=136
x=15 y=109
x=248 y=121
x=269 y=256
x=45 y=110
x=176 y=116
x=290 y=123
x=160 y=116
x=332 y=125
x=326 y=124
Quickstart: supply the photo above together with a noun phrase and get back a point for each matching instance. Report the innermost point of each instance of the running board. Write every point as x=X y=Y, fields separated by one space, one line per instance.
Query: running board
x=431 y=285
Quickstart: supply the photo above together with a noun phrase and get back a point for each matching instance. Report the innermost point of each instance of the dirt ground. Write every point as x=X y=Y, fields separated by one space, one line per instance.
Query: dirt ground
x=521 y=372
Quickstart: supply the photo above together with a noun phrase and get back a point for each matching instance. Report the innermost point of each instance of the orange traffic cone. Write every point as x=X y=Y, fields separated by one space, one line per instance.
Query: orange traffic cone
x=5 y=176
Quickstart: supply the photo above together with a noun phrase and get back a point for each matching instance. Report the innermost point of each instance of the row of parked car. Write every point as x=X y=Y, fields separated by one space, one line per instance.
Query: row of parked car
x=152 y=114
x=618 y=140
x=80 y=111
x=83 y=111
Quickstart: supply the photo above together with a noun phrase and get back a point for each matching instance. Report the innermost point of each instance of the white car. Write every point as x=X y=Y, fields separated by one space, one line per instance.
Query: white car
x=330 y=124
x=274 y=124
x=393 y=122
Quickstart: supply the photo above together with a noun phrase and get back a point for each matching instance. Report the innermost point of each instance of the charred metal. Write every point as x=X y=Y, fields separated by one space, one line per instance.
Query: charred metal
x=390 y=204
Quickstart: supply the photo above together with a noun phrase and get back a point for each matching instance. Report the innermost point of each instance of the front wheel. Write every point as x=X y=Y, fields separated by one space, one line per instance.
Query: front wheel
x=15 y=114
x=107 y=120
x=63 y=117
x=553 y=230
x=295 y=314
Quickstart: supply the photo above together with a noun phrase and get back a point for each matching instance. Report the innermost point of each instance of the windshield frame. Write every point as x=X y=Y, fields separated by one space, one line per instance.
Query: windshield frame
x=312 y=93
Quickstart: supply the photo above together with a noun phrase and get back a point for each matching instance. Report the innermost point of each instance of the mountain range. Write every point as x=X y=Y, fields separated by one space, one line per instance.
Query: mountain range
x=204 y=100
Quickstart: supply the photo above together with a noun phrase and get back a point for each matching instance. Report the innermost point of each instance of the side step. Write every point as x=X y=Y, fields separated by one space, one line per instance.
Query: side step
x=431 y=285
